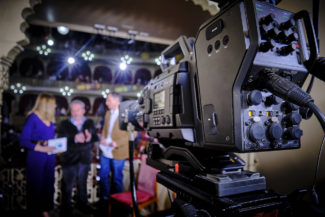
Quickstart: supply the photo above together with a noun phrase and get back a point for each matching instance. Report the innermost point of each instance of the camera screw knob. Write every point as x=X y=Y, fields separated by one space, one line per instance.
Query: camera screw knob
x=256 y=132
x=294 y=132
x=255 y=97
x=275 y=131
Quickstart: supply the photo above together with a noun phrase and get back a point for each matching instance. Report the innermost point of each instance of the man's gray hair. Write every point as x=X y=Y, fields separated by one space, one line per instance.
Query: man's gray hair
x=77 y=101
x=116 y=95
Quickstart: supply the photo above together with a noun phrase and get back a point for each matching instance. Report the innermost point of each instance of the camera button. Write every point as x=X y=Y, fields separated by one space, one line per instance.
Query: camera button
x=209 y=49
x=225 y=40
x=217 y=44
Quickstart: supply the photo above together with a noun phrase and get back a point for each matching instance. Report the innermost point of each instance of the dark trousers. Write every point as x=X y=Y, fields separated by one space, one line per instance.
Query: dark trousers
x=39 y=182
x=71 y=174
x=108 y=165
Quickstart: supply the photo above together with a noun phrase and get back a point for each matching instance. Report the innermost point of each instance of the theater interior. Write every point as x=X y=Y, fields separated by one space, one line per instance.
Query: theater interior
x=84 y=50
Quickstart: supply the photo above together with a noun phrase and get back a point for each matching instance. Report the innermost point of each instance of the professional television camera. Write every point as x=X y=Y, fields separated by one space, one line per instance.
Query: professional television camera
x=236 y=88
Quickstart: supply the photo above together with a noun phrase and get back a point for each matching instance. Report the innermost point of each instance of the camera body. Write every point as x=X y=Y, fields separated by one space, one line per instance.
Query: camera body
x=239 y=113
x=166 y=103
x=227 y=92
x=212 y=96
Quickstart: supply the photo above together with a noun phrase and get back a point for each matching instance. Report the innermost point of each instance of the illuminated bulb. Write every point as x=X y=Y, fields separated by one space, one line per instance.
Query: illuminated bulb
x=158 y=61
x=105 y=93
x=63 y=30
x=50 y=42
x=71 y=60
x=88 y=56
x=123 y=66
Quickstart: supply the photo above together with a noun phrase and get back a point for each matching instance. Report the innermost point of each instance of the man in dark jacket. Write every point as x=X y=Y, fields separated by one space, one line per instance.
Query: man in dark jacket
x=76 y=161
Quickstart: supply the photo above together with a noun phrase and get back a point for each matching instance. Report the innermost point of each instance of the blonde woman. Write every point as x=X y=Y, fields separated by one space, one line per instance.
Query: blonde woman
x=38 y=129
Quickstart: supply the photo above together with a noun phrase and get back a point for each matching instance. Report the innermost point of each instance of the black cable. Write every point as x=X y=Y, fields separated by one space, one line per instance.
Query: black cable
x=132 y=182
x=319 y=115
x=321 y=119
x=314 y=193
x=291 y=92
x=311 y=83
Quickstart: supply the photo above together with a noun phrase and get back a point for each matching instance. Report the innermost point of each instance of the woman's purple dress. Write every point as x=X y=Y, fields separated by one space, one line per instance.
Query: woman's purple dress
x=39 y=166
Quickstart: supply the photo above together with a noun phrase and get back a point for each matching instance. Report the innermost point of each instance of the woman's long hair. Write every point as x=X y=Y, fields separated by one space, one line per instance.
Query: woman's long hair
x=45 y=107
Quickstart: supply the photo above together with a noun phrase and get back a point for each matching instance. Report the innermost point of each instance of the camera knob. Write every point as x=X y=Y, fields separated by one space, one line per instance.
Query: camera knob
x=294 y=118
x=268 y=45
x=294 y=132
x=256 y=132
x=305 y=113
x=272 y=99
x=283 y=36
x=255 y=97
x=275 y=131
x=288 y=24
x=286 y=50
x=273 y=33
x=289 y=107
x=267 y=19
x=263 y=30
x=292 y=37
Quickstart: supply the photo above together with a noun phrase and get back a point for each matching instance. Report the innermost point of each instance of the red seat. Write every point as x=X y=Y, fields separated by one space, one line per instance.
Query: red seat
x=146 y=190
x=125 y=197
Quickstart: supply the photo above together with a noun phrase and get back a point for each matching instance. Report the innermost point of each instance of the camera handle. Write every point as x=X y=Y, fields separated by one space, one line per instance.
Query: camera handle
x=304 y=15
x=130 y=128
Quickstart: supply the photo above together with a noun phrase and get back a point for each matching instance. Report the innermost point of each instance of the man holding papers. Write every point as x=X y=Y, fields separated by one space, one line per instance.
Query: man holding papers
x=114 y=146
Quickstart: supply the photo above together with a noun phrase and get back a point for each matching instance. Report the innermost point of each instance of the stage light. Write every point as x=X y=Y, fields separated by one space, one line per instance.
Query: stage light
x=18 y=88
x=66 y=91
x=71 y=60
x=88 y=56
x=123 y=66
x=158 y=61
x=50 y=42
x=43 y=50
x=126 y=59
x=63 y=30
x=105 y=93
x=138 y=94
